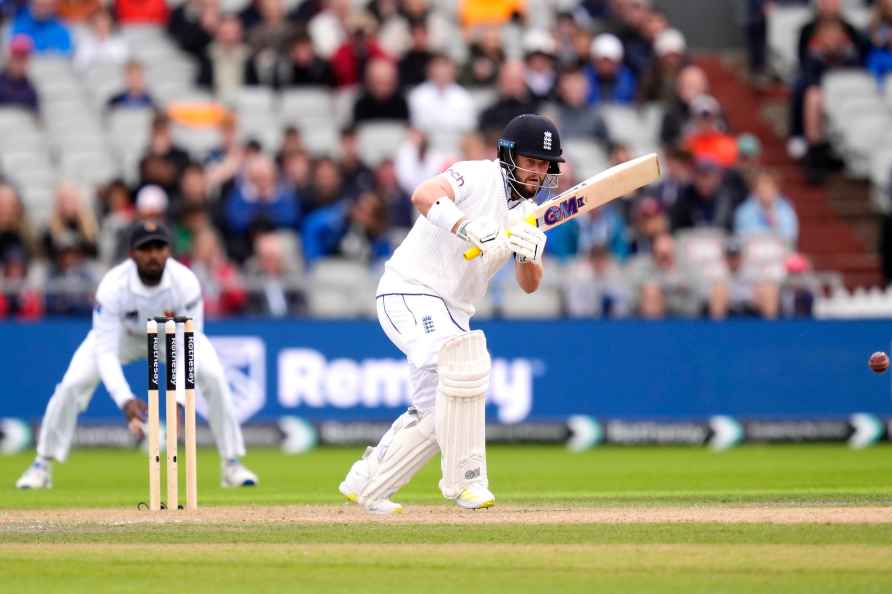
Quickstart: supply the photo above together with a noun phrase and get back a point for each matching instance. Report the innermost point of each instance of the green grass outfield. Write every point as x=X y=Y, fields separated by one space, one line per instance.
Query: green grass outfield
x=462 y=554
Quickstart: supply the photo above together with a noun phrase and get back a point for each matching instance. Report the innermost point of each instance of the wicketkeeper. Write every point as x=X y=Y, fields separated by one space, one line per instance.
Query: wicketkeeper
x=148 y=284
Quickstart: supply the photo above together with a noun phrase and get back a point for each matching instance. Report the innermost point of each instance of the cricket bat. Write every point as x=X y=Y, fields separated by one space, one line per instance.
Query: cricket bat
x=590 y=194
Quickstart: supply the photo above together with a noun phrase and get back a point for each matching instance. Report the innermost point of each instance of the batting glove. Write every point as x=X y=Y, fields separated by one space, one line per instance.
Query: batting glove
x=528 y=243
x=486 y=234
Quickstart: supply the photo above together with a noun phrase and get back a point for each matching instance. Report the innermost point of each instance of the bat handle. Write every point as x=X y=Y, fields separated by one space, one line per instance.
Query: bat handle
x=474 y=252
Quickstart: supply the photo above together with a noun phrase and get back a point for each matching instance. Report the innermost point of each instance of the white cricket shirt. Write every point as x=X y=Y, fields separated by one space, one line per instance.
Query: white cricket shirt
x=431 y=259
x=124 y=304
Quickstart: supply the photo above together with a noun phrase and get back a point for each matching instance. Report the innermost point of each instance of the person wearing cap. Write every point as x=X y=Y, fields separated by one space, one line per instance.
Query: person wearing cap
x=47 y=32
x=706 y=137
x=15 y=87
x=610 y=81
x=540 y=55
x=425 y=302
x=148 y=284
x=658 y=80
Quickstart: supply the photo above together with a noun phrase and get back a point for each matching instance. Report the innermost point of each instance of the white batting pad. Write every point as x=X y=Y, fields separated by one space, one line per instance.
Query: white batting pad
x=394 y=462
x=463 y=368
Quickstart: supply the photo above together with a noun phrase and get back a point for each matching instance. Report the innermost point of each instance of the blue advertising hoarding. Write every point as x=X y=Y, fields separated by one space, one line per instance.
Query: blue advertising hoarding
x=542 y=370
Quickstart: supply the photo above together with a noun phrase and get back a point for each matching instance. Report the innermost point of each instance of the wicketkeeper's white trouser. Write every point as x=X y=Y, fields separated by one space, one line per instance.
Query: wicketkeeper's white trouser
x=73 y=394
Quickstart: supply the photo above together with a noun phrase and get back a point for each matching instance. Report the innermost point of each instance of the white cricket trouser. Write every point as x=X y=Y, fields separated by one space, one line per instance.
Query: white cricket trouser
x=418 y=324
x=73 y=394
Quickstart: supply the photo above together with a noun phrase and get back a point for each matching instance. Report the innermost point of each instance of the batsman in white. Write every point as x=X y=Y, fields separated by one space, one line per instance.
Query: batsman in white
x=425 y=301
x=148 y=284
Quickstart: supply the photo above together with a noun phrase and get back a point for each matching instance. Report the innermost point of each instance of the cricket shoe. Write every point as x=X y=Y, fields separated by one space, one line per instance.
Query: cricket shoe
x=383 y=507
x=356 y=478
x=476 y=497
x=38 y=476
x=236 y=475
x=355 y=482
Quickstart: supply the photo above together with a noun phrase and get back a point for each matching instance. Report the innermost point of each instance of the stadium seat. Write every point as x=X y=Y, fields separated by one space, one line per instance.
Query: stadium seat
x=636 y=128
x=255 y=100
x=764 y=258
x=320 y=138
x=90 y=167
x=129 y=128
x=306 y=104
x=263 y=127
x=701 y=253
x=784 y=23
x=197 y=141
x=339 y=288
x=860 y=137
x=342 y=104
x=380 y=140
x=15 y=118
x=544 y=303
x=880 y=170
x=587 y=157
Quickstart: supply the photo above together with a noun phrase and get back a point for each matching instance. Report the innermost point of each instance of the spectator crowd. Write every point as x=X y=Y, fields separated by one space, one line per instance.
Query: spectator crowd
x=715 y=237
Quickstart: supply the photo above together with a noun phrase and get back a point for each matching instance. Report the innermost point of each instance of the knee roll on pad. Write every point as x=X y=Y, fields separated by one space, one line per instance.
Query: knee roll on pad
x=463 y=367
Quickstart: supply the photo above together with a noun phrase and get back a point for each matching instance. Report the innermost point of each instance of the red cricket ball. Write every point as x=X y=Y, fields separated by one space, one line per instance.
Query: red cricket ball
x=879 y=362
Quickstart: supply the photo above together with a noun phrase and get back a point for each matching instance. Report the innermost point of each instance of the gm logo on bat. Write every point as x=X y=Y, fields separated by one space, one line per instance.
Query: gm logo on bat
x=565 y=209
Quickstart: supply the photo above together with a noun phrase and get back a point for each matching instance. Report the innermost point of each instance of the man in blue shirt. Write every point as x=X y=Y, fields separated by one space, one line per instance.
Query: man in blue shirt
x=610 y=81
x=49 y=34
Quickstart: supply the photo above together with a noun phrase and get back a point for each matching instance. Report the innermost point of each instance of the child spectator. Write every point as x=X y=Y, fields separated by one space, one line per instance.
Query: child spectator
x=135 y=95
x=767 y=211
